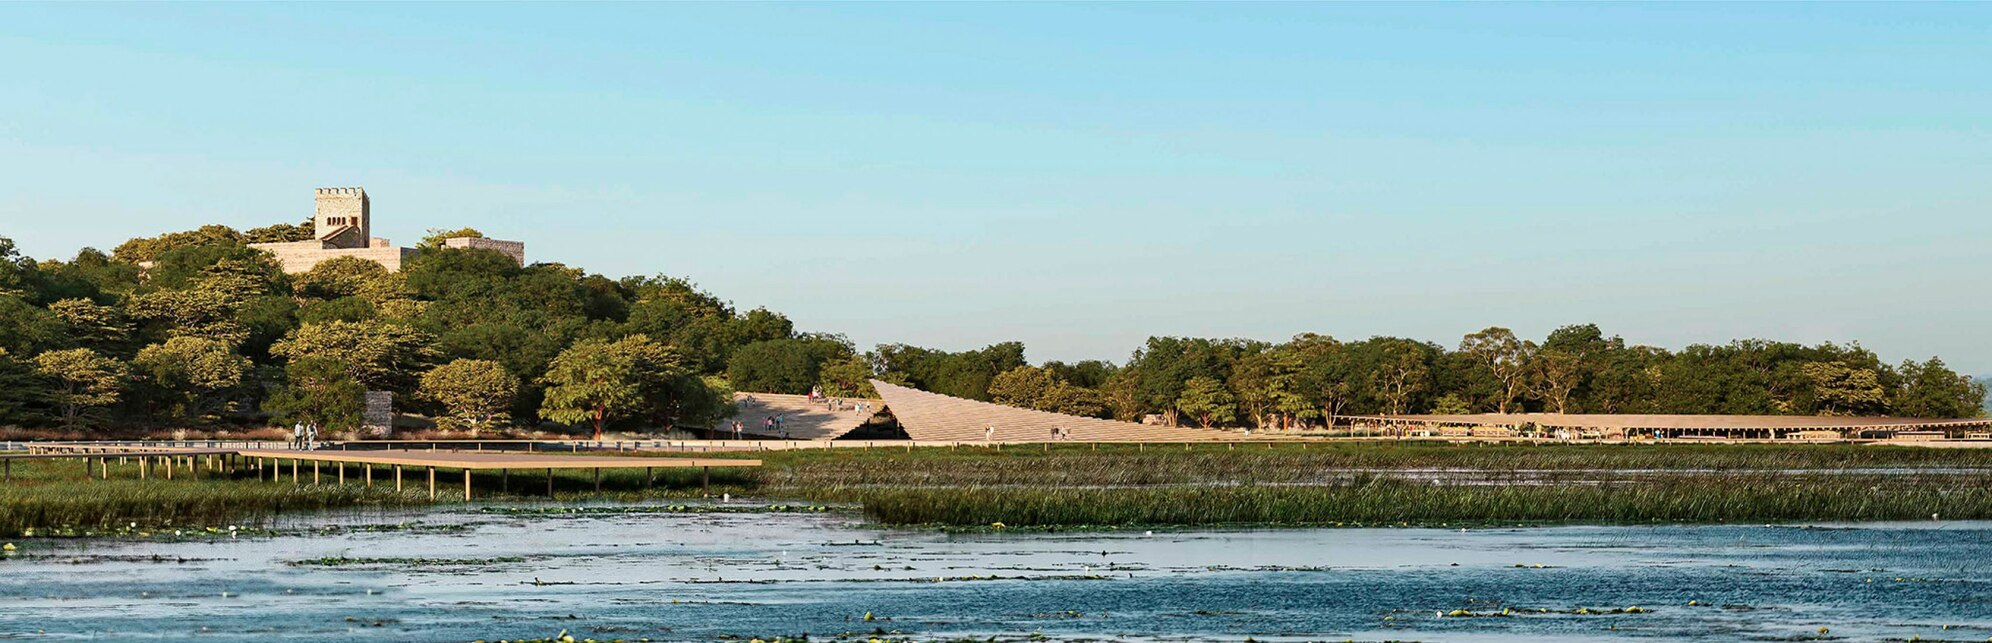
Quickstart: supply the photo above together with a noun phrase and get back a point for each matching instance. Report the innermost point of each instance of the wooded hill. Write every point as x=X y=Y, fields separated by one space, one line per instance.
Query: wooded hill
x=195 y=329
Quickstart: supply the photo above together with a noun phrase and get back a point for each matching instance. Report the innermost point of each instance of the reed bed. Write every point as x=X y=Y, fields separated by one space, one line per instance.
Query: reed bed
x=52 y=500
x=1119 y=465
x=1693 y=499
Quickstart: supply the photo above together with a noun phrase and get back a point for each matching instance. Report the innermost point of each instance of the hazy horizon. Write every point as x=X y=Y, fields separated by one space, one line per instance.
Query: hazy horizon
x=1078 y=177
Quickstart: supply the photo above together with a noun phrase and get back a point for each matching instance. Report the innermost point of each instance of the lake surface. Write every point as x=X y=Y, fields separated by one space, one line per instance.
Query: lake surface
x=704 y=576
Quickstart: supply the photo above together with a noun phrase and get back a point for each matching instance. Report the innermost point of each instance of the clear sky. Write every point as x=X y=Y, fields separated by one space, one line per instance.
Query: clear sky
x=1078 y=177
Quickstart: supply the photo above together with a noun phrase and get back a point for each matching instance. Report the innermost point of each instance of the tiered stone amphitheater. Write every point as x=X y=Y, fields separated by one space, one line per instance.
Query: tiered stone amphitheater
x=933 y=417
x=804 y=419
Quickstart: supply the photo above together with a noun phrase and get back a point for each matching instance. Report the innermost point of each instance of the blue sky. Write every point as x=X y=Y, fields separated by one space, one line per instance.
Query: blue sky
x=1078 y=177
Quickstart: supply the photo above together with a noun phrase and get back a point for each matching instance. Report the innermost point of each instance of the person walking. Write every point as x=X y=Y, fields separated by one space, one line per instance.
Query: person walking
x=989 y=434
x=297 y=435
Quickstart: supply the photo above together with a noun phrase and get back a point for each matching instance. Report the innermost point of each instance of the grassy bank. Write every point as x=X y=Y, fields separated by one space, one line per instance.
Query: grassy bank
x=1702 y=499
x=1064 y=485
x=53 y=499
x=1081 y=465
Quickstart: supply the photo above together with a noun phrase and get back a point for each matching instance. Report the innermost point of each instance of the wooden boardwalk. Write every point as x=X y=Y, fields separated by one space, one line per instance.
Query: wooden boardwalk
x=164 y=461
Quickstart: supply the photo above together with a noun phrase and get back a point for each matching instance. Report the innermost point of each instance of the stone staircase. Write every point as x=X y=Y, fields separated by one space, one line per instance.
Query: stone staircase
x=935 y=417
x=804 y=419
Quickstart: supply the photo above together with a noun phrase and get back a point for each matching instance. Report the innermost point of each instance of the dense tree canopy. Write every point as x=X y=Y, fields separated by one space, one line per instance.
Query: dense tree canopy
x=196 y=328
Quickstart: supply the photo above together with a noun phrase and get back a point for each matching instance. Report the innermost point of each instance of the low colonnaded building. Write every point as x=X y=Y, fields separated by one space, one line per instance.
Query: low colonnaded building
x=343 y=223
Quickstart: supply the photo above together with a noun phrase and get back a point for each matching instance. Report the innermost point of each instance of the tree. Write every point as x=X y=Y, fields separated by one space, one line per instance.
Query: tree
x=1932 y=390
x=319 y=391
x=1072 y=399
x=1844 y=390
x=473 y=392
x=1400 y=376
x=791 y=365
x=350 y=277
x=1505 y=356
x=1450 y=404
x=966 y=374
x=1162 y=368
x=382 y=355
x=848 y=377
x=27 y=329
x=281 y=233
x=434 y=240
x=20 y=389
x=1023 y=387
x=1558 y=372
x=1207 y=400
x=17 y=273
x=140 y=251
x=82 y=380
x=189 y=313
x=597 y=381
x=94 y=326
x=196 y=370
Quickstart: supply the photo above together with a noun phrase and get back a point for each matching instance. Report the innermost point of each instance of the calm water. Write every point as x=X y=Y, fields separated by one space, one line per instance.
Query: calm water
x=705 y=576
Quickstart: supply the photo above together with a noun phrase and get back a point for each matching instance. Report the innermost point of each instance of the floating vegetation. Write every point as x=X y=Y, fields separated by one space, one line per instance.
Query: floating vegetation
x=562 y=511
x=342 y=561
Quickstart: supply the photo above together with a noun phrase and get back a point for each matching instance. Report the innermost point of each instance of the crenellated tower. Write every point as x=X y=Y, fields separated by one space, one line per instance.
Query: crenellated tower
x=343 y=219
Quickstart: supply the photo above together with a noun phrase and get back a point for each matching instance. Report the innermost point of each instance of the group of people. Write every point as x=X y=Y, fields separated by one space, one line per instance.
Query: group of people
x=836 y=403
x=1057 y=433
x=304 y=436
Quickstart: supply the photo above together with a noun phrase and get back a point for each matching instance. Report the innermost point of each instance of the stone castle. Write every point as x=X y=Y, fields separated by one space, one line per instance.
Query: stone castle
x=344 y=228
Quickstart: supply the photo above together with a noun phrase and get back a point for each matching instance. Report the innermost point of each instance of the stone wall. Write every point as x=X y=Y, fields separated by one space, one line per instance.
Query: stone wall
x=514 y=249
x=377 y=421
x=302 y=255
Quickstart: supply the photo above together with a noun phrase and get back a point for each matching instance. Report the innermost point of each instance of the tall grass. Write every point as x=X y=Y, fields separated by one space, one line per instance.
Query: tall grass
x=1703 y=499
x=1080 y=465
x=53 y=498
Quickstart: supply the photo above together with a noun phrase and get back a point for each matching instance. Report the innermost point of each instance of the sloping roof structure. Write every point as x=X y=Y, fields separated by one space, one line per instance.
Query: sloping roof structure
x=803 y=418
x=935 y=417
x=1681 y=423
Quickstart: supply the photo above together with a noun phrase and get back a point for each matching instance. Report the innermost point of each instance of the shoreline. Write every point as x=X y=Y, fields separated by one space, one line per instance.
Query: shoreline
x=1072 y=487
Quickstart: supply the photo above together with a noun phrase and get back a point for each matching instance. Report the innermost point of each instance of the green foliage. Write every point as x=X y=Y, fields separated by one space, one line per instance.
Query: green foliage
x=151 y=249
x=436 y=236
x=1929 y=389
x=102 y=328
x=474 y=393
x=1450 y=404
x=1045 y=389
x=1207 y=400
x=791 y=366
x=321 y=391
x=196 y=372
x=27 y=329
x=388 y=328
x=966 y=374
x=380 y=355
x=281 y=233
x=1839 y=389
x=848 y=377
x=596 y=381
x=20 y=390
x=81 y=381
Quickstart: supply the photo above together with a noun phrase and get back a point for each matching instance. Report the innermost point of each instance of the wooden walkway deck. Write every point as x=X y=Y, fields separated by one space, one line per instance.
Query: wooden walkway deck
x=164 y=461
